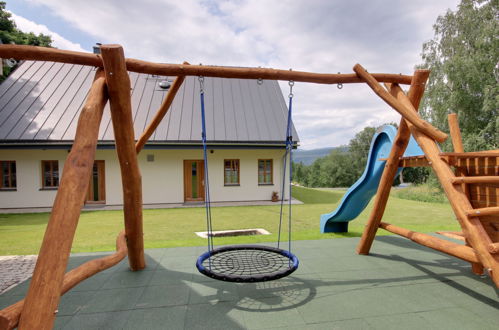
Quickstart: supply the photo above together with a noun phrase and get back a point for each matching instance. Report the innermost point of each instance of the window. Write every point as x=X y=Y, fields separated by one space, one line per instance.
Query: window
x=50 y=174
x=231 y=172
x=8 y=181
x=265 y=171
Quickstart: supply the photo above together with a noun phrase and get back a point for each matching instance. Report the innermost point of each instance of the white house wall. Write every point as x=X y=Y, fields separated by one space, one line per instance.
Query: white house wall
x=162 y=179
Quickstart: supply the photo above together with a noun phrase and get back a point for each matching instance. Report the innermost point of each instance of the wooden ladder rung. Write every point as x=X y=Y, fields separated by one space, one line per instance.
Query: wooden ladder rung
x=494 y=248
x=483 y=211
x=453 y=234
x=475 y=179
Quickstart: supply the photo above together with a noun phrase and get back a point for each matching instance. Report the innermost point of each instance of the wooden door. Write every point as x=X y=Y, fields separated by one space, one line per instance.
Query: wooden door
x=193 y=180
x=97 y=189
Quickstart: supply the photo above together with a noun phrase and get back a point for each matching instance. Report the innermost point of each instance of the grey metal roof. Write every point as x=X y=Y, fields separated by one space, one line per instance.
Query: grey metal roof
x=41 y=101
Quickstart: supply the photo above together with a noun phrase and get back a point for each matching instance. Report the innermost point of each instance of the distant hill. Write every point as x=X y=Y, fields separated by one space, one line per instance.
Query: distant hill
x=307 y=157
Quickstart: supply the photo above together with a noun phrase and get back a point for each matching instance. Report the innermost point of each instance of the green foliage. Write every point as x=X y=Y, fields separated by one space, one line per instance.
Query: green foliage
x=462 y=58
x=423 y=193
x=9 y=33
x=359 y=149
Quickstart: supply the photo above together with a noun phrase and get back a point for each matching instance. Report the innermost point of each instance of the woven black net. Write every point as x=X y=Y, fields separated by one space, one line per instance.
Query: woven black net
x=248 y=264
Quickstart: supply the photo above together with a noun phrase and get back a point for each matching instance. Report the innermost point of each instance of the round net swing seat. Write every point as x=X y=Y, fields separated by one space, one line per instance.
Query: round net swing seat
x=247 y=263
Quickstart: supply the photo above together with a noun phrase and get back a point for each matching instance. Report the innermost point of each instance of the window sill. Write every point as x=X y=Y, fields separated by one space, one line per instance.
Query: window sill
x=8 y=189
x=265 y=184
x=48 y=188
x=232 y=185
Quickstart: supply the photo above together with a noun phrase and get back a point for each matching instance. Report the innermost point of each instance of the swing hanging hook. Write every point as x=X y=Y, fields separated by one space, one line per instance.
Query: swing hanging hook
x=201 y=84
x=339 y=85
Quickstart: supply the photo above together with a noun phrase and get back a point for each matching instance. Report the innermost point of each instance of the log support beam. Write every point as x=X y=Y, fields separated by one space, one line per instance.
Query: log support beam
x=118 y=85
x=392 y=163
x=408 y=111
x=45 y=287
x=160 y=114
x=9 y=316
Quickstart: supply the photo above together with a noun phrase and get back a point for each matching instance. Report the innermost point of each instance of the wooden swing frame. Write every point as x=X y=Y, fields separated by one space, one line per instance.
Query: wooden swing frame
x=112 y=83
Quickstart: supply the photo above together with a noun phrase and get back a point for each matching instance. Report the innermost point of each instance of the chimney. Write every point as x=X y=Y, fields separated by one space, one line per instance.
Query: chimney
x=97 y=48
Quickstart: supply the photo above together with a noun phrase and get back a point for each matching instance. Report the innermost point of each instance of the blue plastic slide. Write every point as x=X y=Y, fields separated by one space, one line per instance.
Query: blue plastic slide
x=358 y=196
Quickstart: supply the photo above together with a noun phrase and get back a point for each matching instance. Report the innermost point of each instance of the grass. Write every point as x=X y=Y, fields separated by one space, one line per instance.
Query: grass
x=97 y=230
x=422 y=193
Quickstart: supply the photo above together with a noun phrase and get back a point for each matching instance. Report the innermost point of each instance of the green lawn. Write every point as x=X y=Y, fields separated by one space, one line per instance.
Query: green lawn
x=97 y=230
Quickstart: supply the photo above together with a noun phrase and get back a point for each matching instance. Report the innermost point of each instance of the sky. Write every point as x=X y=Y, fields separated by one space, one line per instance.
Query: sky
x=326 y=36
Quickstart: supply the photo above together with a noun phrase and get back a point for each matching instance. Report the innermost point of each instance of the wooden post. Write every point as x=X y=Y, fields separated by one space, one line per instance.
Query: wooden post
x=45 y=288
x=9 y=316
x=455 y=133
x=457 y=143
x=399 y=145
x=406 y=110
x=118 y=85
x=163 y=109
x=472 y=227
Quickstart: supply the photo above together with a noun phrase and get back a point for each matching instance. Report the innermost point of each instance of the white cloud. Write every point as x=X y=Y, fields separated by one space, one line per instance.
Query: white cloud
x=309 y=35
x=59 y=41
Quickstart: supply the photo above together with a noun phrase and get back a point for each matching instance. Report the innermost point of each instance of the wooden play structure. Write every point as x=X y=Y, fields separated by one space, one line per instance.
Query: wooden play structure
x=470 y=180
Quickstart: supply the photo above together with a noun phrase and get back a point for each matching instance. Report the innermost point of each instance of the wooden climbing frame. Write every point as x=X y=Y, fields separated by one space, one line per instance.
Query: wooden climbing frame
x=37 y=310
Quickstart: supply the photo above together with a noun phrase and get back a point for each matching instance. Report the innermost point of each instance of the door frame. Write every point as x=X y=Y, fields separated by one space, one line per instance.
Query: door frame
x=101 y=177
x=188 y=180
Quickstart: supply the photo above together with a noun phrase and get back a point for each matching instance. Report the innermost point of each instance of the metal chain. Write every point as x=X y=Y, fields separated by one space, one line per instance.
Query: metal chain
x=201 y=84
x=339 y=85
x=291 y=83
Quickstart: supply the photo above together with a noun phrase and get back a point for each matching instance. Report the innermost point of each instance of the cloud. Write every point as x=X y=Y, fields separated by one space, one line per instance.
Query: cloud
x=59 y=41
x=308 y=35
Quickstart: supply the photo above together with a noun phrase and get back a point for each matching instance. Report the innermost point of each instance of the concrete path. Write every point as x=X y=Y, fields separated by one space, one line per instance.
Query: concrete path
x=14 y=270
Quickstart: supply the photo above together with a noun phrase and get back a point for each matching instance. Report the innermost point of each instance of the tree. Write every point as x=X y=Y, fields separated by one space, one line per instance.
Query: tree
x=463 y=57
x=359 y=149
x=9 y=33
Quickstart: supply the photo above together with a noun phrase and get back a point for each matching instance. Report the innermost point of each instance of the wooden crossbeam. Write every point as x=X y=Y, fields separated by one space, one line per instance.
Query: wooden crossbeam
x=483 y=211
x=118 y=85
x=475 y=179
x=23 y=52
x=453 y=234
x=45 y=287
x=459 y=251
x=407 y=110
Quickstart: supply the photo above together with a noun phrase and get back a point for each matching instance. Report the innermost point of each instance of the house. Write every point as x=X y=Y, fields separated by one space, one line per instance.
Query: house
x=246 y=122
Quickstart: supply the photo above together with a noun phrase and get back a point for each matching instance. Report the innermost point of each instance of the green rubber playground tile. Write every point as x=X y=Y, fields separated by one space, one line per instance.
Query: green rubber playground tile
x=19 y=290
x=108 y=321
x=270 y=319
x=95 y=282
x=169 y=277
x=61 y=321
x=128 y=279
x=177 y=262
x=214 y=317
x=163 y=295
x=408 y=321
x=113 y=300
x=7 y=300
x=72 y=302
x=212 y=292
x=459 y=318
x=351 y=304
x=171 y=318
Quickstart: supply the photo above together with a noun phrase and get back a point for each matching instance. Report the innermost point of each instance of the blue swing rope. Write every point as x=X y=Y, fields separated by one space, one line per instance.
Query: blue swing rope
x=206 y=176
x=289 y=148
